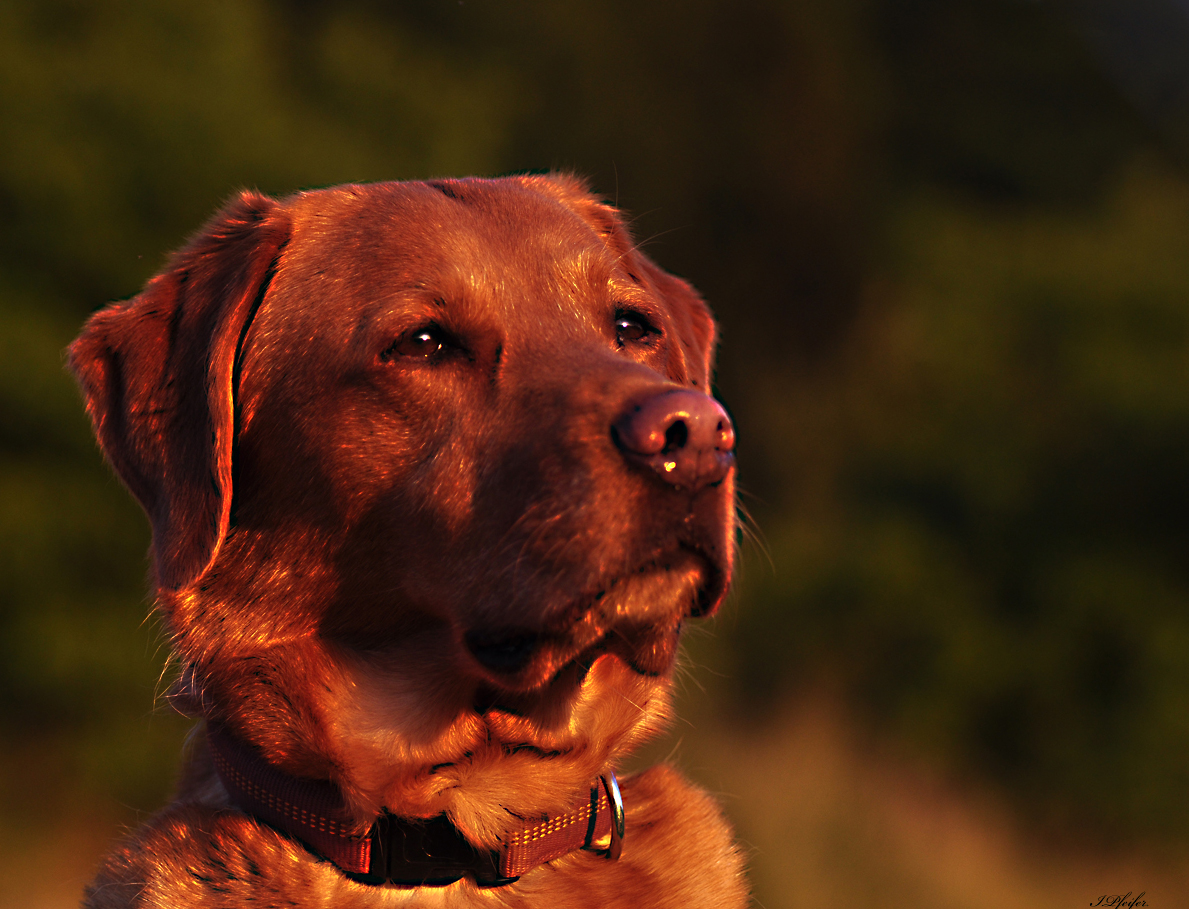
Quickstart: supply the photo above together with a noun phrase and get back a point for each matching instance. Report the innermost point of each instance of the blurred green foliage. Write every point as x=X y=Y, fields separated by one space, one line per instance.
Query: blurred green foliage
x=990 y=554
x=952 y=271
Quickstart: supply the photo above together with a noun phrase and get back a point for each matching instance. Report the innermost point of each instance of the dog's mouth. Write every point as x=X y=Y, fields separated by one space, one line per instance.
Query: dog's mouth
x=524 y=661
x=637 y=618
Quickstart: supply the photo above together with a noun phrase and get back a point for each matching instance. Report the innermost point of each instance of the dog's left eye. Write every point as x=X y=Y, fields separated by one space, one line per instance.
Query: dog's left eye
x=420 y=344
x=631 y=326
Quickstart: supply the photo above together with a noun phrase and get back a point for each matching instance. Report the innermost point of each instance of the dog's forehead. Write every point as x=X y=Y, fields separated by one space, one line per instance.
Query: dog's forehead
x=498 y=242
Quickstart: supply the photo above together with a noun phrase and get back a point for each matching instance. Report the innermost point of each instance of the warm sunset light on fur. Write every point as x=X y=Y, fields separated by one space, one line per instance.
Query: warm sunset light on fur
x=434 y=482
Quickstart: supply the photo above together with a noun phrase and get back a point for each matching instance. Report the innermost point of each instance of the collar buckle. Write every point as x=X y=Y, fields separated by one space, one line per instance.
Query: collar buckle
x=426 y=853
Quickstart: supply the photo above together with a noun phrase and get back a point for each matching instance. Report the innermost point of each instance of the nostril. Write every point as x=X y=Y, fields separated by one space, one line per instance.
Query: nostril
x=725 y=432
x=676 y=436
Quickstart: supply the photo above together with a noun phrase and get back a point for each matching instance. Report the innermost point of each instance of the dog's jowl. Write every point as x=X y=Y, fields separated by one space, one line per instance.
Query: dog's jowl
x=435 y=479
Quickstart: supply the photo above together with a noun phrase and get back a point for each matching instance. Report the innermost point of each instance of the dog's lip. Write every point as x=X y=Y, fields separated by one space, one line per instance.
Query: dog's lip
x=518 y=658
x=521 y=660
x=515 y=703
x=646 y=649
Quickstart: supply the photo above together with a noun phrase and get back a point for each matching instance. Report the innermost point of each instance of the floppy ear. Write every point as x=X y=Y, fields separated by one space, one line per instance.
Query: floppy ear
x=695 y=325
x=157 y=374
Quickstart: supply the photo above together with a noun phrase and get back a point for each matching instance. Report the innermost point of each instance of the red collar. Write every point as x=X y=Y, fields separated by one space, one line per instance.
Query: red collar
x=406 y=850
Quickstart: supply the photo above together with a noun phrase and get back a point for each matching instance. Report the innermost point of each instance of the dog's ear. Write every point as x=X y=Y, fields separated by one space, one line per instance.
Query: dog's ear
x=158 y=374
x=695 y=325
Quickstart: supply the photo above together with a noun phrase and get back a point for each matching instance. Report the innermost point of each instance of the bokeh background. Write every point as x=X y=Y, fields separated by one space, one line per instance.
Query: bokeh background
x=948 y=244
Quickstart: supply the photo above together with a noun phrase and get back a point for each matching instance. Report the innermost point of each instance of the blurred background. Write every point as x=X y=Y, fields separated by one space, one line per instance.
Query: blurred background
x=948 y=244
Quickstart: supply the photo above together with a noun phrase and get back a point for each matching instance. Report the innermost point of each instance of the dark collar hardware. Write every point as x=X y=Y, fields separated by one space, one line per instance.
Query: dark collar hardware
x=408 y=851
x=431 y=852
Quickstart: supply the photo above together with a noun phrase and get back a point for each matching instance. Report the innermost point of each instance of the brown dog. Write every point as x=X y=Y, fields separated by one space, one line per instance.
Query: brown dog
x=434 y=480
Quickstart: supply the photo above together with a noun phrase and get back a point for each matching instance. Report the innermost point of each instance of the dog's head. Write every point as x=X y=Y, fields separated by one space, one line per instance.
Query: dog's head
x=434 y=479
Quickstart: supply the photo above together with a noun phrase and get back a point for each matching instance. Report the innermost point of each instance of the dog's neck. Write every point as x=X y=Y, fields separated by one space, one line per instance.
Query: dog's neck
x=395 y=850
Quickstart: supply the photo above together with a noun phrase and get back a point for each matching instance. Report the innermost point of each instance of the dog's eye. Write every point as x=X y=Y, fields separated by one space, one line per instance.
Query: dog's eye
x=631 y=326
x=419 y=344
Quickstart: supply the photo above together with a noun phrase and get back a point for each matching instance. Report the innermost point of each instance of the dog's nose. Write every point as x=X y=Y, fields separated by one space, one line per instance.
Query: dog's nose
x=684 y=436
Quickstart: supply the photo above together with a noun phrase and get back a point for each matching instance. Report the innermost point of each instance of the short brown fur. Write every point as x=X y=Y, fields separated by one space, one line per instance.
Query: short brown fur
x=336 y=513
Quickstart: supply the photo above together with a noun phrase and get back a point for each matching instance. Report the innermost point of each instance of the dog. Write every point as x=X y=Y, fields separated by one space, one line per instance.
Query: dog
x=435 y=477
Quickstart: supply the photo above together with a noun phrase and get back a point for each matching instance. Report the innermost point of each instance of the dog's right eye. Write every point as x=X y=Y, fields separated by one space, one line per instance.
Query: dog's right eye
x=420 y=344
x=632 y=327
